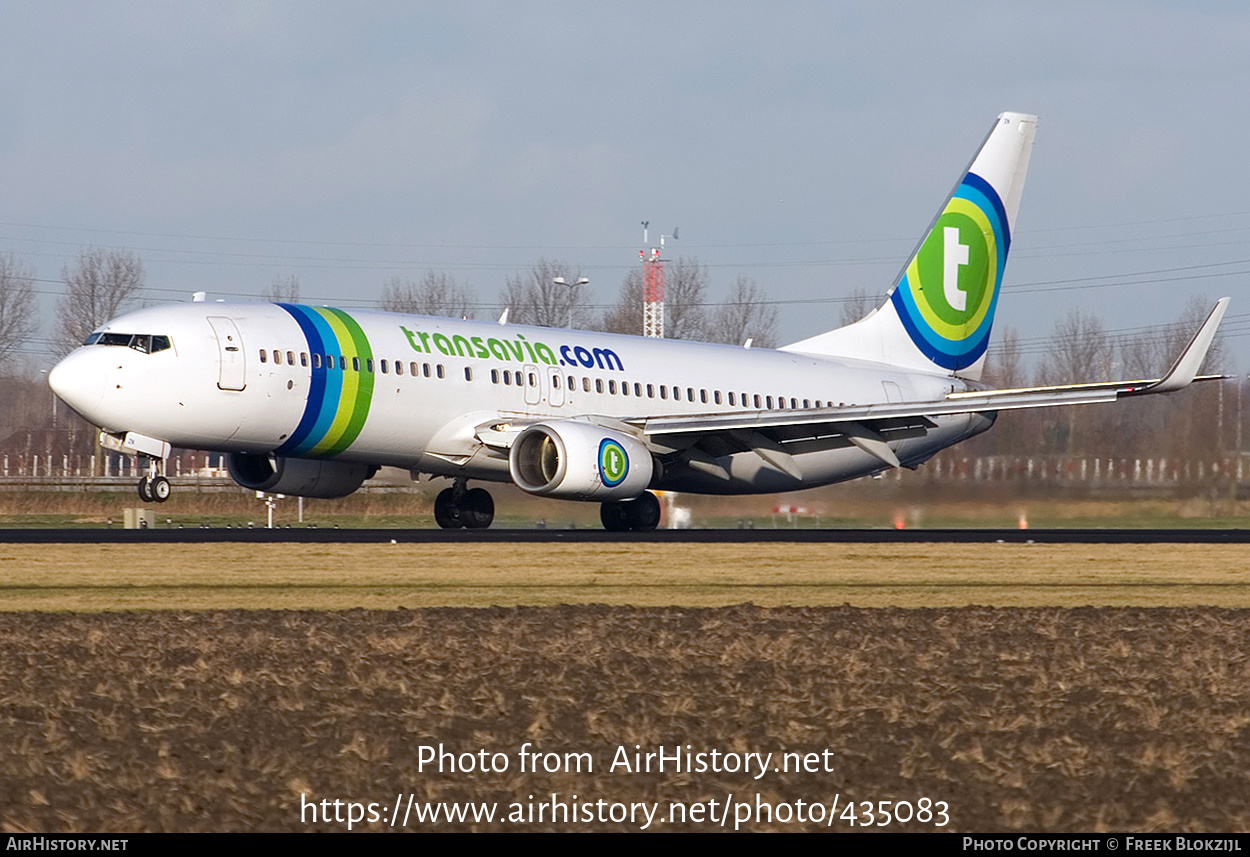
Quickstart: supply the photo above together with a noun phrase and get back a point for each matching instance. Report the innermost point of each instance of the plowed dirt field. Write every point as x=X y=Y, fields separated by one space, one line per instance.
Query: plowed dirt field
x=1018 y=718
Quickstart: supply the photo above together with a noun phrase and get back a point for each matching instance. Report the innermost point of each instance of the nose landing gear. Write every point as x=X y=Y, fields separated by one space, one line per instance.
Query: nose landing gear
x=154 y=489
x=455 y=507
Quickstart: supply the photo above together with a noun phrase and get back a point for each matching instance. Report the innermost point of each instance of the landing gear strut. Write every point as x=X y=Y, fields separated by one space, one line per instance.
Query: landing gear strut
x=455 y=507
x=640 y=515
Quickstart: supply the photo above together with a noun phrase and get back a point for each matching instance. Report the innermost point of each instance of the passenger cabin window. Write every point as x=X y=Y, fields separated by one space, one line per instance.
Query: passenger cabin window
x=468 y=373
x=385 y=366
x=316 y=361
x=399 y=367
x=290 y=358
x=440 y=371
x=263 y=356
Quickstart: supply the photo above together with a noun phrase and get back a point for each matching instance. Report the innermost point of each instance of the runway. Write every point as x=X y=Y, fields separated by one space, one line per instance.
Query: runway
x=311 y=535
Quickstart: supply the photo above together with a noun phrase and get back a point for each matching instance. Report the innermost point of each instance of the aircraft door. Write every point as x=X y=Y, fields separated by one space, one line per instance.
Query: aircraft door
x=555 y=387
x=233 y=375
x=533 y=385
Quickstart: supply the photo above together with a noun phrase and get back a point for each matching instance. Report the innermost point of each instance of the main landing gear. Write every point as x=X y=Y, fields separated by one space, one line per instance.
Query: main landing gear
x=473 y=508
x=641 y=514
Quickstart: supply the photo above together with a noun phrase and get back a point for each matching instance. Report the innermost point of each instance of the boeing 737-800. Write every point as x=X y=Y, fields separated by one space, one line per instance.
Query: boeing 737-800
x=311 y=401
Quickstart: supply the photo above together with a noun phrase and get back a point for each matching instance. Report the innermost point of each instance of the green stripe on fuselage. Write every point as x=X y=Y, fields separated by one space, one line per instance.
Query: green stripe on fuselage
x=357 y=392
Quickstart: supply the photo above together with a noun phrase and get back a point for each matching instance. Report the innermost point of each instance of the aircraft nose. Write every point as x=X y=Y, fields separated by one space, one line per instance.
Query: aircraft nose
x=78 y=381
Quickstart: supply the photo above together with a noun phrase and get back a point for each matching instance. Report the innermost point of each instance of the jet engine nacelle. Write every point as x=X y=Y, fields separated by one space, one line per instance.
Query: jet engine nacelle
x=299 y=477
x=580 y=461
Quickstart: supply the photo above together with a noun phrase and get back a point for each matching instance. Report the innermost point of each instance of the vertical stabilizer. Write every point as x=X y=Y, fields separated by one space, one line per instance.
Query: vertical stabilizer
x=938 y=315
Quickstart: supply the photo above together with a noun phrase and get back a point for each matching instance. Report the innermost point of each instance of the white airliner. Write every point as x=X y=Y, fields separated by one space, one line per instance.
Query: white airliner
x=310 y=401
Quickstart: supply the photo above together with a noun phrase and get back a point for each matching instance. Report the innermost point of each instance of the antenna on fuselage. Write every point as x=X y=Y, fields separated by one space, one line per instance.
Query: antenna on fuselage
x=503 y=319
x=199 y=297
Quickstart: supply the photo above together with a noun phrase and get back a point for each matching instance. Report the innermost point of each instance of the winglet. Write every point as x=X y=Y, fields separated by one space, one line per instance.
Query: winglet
x=1186 y=367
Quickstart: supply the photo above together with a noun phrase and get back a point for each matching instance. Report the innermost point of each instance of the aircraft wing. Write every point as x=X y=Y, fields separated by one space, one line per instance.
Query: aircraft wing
x=775 y=434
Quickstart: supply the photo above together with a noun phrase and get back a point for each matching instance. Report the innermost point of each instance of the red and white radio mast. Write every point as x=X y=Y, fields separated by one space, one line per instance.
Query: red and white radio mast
x=652 y=286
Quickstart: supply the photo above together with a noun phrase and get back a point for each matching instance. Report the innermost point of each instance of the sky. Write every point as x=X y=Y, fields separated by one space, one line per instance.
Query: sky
x=805 y=145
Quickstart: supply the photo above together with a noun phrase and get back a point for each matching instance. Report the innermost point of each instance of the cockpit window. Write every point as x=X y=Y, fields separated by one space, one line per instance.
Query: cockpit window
x=138 y=341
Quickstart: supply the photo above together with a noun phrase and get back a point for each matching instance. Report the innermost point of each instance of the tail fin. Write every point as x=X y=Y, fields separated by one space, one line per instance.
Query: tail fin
x=938 y=315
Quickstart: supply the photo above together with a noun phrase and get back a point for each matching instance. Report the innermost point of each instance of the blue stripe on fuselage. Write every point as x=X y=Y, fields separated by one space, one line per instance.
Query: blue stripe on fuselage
x=324 y=387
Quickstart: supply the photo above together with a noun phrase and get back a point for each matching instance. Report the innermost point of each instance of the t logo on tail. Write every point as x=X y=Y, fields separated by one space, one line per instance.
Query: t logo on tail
x=954 y=254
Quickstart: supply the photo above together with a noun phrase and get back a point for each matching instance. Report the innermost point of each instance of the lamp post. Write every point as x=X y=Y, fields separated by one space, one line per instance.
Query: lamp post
x=581 y=281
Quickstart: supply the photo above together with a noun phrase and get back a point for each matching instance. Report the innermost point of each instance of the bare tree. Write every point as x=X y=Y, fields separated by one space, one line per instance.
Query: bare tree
x=685 y=296
x=1079 y=349
x=1005 y=364
x=97 y=287
x=858 y=305
x=745 y=314
x=17 y=306
x=531 y=297
x=283 y=290
x=626 y=315
x=437 y=293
